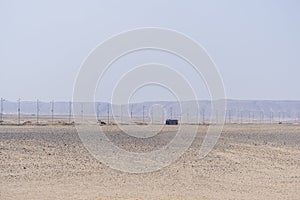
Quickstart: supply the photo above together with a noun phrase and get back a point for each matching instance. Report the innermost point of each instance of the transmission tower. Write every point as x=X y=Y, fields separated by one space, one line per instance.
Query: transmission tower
x=131 y=113
x=271 y=117
x=203 y=116
x=143 y=113
x=37 y=111
x=19 y=110
x=52 y=112
x=98 y=111
x=108 y=114
x=82 y=107
x=1 y=117
x=70 y=111
x=249 y=116
x=241 y=115
x=121 y=113
x=152 y=117
x=261 y=116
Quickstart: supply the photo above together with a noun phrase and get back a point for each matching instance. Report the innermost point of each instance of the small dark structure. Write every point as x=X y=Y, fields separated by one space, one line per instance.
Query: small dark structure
x=172 y=122
x=101 y=122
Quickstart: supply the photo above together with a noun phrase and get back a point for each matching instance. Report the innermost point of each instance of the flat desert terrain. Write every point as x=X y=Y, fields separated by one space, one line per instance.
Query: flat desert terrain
x=248 y=162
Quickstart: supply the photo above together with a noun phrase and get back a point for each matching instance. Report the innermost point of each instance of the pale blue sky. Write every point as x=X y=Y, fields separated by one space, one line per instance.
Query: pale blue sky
x=255 y=44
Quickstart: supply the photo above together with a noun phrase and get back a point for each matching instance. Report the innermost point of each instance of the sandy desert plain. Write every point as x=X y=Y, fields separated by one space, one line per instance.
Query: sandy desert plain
x=250 y=161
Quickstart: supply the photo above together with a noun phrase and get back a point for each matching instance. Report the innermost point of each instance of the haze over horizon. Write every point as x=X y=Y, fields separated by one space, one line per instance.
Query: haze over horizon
x=254 y=44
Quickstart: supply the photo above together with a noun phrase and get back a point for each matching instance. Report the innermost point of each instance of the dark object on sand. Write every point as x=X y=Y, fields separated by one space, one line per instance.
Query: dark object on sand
x=171 y=122
x=101 y=122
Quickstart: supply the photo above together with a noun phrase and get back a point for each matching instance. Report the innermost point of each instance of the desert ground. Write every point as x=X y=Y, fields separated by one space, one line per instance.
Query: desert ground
x=250 y=161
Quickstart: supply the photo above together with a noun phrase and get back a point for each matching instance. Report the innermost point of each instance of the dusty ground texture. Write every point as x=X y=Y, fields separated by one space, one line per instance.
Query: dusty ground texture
x=248 y=162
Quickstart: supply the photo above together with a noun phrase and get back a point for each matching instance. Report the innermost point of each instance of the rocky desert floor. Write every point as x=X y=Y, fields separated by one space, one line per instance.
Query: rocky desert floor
x=249 y=162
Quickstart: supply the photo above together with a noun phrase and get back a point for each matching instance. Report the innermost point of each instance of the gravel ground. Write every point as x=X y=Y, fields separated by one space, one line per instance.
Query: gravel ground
x=248 y=162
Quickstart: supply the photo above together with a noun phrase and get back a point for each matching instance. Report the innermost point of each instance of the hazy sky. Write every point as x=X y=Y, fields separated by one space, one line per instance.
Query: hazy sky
x=255 y=44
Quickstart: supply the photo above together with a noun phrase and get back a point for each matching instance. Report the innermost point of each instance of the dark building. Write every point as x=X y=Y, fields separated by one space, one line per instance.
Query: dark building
x=171 y=122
